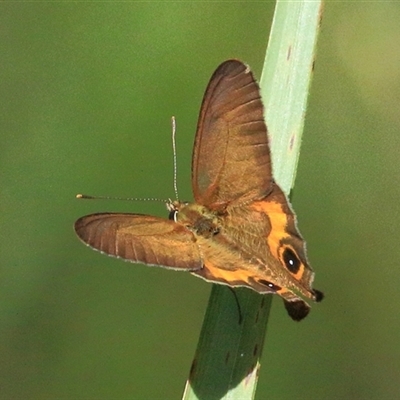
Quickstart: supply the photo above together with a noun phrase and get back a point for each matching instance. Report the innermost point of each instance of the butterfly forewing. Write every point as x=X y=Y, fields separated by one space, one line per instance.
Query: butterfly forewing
x=231 y=142
x=141 y=238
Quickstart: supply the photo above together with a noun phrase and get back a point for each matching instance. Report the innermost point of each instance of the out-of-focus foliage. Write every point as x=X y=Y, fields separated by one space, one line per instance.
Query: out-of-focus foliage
x=87 y=93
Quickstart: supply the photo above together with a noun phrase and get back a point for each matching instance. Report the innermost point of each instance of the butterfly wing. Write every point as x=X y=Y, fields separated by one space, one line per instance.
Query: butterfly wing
x=231 y=159
x=231 y=171
x=141 y=238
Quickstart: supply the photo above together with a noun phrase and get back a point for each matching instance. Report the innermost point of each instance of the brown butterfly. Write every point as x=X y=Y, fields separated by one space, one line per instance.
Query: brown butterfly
x=241 y=230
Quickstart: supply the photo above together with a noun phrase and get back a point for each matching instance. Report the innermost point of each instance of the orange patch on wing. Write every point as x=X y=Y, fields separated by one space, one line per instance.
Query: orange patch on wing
x=284 y=292
x=278 y=220
x=210 y=272
x=298 y=275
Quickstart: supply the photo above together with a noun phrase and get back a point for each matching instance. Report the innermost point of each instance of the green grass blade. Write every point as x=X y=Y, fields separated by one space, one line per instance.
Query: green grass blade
x=285 y=82
x=228 y=355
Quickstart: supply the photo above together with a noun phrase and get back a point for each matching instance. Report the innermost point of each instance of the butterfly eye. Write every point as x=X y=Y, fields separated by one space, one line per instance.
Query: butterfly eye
x=173 y=215
x=272 y=286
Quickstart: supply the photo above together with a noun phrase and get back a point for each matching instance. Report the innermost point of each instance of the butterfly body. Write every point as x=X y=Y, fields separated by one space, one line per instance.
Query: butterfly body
x=241 y=230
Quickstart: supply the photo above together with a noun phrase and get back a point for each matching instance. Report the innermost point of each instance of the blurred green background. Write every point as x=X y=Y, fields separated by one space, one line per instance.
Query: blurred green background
x=87 y=92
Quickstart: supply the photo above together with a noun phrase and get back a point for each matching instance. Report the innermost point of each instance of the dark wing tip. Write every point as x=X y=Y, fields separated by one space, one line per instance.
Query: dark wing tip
x=231 y=65
x=87 y=227
x=78 y=225
x=297 y=309
x=318 y=296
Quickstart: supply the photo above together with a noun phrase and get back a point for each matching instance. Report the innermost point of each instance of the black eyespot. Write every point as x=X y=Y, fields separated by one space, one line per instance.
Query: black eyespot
x=318 y=295
x=172 y=215
x=297 y=309
x=272 y=286
x=291 y=261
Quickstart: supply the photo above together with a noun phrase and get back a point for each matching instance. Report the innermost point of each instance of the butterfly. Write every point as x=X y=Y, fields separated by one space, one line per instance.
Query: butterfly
x=240 y=230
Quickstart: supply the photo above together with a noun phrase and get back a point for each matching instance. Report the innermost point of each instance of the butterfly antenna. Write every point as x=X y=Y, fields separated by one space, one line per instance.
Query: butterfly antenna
x=88 y=197
x=173 y=121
